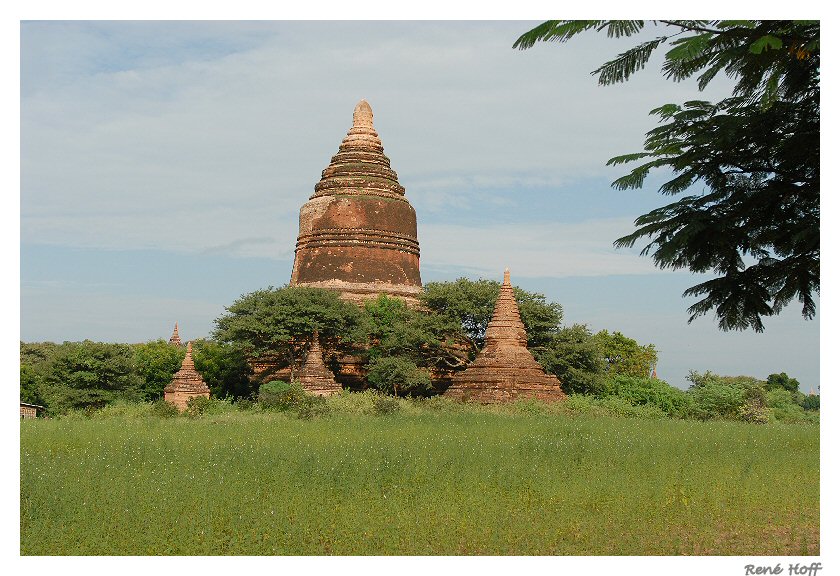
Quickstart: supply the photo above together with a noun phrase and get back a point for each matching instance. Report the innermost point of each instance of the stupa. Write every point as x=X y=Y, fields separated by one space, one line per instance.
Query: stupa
x=186 y=383
x=505 y=369
x=315 y=377
x=358 y=231
x=175 y=339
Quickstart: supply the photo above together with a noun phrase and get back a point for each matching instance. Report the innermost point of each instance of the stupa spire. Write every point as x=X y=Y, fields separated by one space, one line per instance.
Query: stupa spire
x=186 y=383
x=315 y=377
x=175 y=339
x=363 y=115
x=505 y=369
x=506 y=324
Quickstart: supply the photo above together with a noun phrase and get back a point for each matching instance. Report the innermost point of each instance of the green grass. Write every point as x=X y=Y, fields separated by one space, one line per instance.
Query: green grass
x=421 y=481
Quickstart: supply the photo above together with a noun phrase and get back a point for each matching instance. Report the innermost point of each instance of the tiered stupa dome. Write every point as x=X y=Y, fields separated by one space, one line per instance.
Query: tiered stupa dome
x=186 y=383
x=505 y=369
x=358 y=232
x=315 y=377
x=175 y=339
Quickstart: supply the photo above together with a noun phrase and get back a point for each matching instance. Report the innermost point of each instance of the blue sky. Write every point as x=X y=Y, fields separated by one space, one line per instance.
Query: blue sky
x=163 y=165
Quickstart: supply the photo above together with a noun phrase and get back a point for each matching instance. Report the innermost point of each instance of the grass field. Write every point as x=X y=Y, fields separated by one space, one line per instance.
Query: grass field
x=417 y=483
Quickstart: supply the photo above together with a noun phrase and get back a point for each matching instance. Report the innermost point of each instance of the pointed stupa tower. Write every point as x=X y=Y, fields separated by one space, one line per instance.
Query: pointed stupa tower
x=315 y=377
x=186 y=383
x=358 y=232
x=175 y=339
x=505 y=369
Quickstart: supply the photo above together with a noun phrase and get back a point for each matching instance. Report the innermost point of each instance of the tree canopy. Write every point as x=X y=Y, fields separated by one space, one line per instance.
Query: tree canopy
x=755 y=222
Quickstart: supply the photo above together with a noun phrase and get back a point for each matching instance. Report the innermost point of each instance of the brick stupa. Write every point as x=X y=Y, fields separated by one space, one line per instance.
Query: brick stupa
x=358 y=232
x=186 y=383
x=505 y=369
x=315 y=377
x=175 y=339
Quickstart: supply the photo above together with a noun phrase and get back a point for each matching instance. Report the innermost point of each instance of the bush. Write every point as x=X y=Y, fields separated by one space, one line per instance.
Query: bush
x=619 y=406
x=753 y=411
x=650 y=392
x=716 y=401
x=163 y=409
x=310 y=406
x=197 y=406
x=125 y=409
x=384 y=405
x=396 y=374
x=811 y=402
x=278 y=395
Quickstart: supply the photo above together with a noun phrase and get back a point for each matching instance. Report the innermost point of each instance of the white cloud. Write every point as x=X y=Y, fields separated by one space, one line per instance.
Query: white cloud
x=217 y=132
x=531 y=249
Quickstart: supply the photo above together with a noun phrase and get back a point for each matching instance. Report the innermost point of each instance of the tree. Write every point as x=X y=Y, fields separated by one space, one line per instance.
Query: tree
x=156 y=363
x=625 y=356
x=399 y=375
x=575 y=358
x=224 y=368
x=90 y=374
x=425 y=338
x=755 y=225
x=278 y=322
x=471 y=303
x=782 y=381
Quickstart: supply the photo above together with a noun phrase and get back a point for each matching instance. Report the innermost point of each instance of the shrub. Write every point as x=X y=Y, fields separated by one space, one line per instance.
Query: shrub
x=619 y=406
x=398 y=374
x=311 y=405
x=125 y=409
x=753 y=411
x=811 y=402
x=278 y=395
x=716 y=401
x=384 y=405
x=197 y=406
x=650 y=392
x=163 y=409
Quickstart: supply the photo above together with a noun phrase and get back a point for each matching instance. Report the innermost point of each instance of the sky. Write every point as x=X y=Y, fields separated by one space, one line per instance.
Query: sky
x=163 y=165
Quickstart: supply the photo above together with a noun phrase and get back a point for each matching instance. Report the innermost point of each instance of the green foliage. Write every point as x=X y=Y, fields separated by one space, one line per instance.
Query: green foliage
x=30 y=385
x=756 y=223
x=224 y=369
x=650 y=392
x=90 y=374
x=575 y=358
x=426 y=338
x=385 y=405
x=733 y=397
x=624 y=355
x=470 y=303
x=163 y=409
x=811 y=402
x=278 y=395
x=399 y=375
x=716 y=401
x=782 y=381
x=276 y=323
x=156 y=362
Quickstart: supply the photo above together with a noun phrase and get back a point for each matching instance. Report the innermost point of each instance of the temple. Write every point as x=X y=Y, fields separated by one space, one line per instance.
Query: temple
x=186 y=383
x=175 y=339
x=358 y=231
x=505 y=369
x=315 y=377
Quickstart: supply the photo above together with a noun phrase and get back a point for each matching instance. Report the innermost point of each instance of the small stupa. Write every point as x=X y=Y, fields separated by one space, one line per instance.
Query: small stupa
x=186 y=383
x=175 y=339
x=358 y=231
x=505 y=369
x=315 y=377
